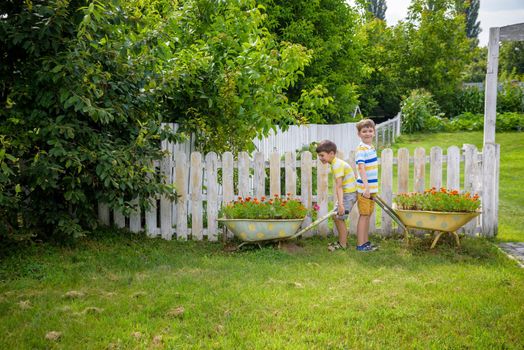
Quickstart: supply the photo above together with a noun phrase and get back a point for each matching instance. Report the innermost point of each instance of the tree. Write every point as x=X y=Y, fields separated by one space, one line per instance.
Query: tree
x=85 y=86
x=327 y=28
x=438 y=49
x=512 y=58
x=239 y=91
x=470 y=10
x=377 y=8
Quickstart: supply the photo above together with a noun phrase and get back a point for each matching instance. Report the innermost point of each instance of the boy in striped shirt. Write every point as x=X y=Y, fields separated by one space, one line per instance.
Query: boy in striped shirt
x=345 y=189
x=367 y=181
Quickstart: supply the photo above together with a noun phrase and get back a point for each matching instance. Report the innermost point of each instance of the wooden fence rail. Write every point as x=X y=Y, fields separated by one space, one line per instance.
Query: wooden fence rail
x=204 y=183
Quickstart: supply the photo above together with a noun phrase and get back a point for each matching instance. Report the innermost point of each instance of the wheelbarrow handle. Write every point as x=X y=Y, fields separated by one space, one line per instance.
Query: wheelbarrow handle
x=316 y=223
x=390 y=211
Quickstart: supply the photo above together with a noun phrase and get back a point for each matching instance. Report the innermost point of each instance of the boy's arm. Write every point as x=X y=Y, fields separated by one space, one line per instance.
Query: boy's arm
x=364 y=178
x=340 y=196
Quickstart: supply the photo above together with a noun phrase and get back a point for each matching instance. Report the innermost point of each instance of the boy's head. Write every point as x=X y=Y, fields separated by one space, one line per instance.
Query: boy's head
x=326 y=151
x=366 y=130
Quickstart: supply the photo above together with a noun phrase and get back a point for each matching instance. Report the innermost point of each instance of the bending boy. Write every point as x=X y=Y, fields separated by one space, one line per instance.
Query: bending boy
x=345 y=189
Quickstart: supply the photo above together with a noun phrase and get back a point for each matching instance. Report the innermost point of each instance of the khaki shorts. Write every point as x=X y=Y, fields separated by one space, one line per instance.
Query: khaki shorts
x=365 y=205
x=349 y=200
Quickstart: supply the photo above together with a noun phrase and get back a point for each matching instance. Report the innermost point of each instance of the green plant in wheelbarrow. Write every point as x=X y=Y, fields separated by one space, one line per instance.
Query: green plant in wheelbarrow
x=255 y=220
x=435 y=210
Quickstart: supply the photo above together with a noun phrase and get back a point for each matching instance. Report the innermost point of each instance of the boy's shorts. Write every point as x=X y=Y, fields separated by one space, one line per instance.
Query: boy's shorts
x=365 y=205
x=349 y=200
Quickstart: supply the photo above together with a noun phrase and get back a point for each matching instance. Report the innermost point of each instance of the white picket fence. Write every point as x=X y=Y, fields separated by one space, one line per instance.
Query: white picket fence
x=386 y=132
x=204 y=183
x=297 y=137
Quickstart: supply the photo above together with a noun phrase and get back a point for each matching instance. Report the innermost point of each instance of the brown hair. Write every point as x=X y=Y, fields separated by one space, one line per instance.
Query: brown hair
x=326 y=146
x=365 y=123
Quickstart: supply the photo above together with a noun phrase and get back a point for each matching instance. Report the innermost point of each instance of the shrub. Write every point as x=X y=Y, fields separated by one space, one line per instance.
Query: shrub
x=510 y=98
x=420 y=112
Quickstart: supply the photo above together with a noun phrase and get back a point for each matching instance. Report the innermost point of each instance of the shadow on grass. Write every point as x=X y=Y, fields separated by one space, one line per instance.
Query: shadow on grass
x=118 y=251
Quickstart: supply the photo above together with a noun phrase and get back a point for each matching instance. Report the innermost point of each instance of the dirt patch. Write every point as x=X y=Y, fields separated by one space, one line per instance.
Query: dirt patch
x=73 y=294
x=176 y=312
x=53 y=335
x=24 y=304
x=290 y=247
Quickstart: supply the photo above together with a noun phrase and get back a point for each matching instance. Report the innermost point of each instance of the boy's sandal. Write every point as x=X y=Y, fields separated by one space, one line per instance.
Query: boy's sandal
x=335 y=246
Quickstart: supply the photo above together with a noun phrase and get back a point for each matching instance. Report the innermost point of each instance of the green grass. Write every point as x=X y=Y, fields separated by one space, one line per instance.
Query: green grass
x=254 y=299
x=132 y=289
x=511 y=196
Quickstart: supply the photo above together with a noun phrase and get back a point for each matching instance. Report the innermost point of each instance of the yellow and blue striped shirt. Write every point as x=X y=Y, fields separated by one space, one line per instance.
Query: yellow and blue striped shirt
x=339 y=168
x=367 y=155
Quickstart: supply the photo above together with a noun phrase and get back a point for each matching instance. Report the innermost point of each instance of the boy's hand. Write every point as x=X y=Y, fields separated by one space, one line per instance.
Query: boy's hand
x=366 y=193
x=341 y=210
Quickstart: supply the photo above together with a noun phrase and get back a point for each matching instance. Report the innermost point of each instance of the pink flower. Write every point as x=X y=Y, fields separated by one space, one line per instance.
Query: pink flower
x=316 y=207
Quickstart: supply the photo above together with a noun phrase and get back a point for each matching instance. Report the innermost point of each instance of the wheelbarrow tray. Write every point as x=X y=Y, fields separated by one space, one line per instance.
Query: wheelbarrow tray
x=264 y=230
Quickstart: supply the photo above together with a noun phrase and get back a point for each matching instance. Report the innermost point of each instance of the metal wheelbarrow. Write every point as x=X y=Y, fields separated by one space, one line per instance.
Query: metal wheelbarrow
x=437 y=222
x=258 y=231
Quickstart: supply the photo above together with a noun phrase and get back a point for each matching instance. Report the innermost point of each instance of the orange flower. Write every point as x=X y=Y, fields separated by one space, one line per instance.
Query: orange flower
x=454 y=192
x=276 y=195
x=239 y=198
x=263 y=198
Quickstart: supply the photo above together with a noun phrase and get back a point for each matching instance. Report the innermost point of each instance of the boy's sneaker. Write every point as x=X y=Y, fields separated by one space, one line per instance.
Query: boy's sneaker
x=335 y=246
x=366 y=247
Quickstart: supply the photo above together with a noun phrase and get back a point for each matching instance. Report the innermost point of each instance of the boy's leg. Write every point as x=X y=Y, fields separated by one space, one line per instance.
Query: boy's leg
x=363 y=229
x=365 y=208
x=342 y=232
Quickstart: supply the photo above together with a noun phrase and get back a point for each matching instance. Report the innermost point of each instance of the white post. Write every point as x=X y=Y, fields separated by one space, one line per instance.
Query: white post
x=490 y=101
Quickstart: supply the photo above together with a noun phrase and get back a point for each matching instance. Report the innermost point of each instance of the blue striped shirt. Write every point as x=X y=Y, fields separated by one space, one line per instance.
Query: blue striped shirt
x=367 y=155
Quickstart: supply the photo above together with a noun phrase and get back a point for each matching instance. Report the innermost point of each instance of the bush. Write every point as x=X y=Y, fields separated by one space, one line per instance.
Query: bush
x=509 y=121
x=420 y=112
x=468 y=99
x=510 y=98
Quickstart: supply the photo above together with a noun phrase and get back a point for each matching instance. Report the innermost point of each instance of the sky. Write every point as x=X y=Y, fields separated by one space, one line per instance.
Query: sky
x=492 y=13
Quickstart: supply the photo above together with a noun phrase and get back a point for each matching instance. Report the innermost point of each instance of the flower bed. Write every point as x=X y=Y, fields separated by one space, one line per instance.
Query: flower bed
x=442 y=200
x=264 y=208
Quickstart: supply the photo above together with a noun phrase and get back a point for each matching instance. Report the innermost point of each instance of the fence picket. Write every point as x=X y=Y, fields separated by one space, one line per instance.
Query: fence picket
x=489 y=176
x=403 y=170
x=212 y=195
x=166 y=213
x=274 y=174
x=453 y=177
x=353 y=215
x=135 y=222
x=196 y=196
x=322 y=195
x=470 y=180
x=419 y=169
x=119 y=218
x=243 y=174
x=435 y=167
x=386 y=186
x=103 y=214
x=227 y=183
x=291 y=174
x=227 y=177
x=260 y=174
x=306 y=185
x=181 y=180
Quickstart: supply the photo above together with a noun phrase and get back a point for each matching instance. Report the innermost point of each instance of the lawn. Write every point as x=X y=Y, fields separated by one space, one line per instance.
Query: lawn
x=122 y=292
x=116 y=290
